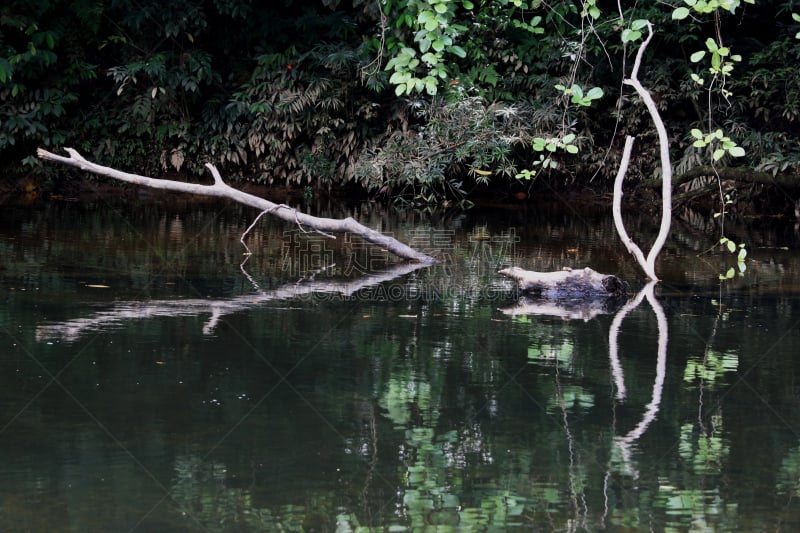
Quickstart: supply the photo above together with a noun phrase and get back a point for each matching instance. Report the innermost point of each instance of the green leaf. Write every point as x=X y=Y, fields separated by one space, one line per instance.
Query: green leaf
x=572 y=149
x=457 y=50
x=430 y=86
x=696 y=133
x=796 y=17
x=468 y=5
x=711 y=44
x=742 y=254
x=399 y=77
x=440 y=8
x=430 y=59
x=526 y=174
x=5 y=70
x=680 y=13
x=731 y=246
x=425 y=44
x=594 y=93
x=697 y=56
x=428 y=20
x=736 y=151
x=630 y=35
x=638 y=24
x=718 y=153
x=394 y=62
x=568 y=138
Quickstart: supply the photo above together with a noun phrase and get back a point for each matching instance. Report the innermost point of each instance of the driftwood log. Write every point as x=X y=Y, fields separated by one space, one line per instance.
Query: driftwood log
x=584 y=284
x=221 y=189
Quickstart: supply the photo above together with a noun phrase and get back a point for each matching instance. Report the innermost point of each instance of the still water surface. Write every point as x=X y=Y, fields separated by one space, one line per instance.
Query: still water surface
x=151 y=382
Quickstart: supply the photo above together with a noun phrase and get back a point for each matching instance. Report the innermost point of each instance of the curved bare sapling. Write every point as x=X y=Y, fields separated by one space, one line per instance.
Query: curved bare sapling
x=222 y=190
x=648 y=263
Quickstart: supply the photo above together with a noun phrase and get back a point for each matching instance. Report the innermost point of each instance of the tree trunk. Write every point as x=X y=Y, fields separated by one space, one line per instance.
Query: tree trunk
x=223 y=190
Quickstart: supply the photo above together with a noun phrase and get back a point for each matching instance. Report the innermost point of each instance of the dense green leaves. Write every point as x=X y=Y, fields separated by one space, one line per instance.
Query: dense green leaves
x=313 y=93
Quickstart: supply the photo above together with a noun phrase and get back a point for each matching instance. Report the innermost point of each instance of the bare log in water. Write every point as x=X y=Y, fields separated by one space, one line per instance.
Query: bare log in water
x=567 y=284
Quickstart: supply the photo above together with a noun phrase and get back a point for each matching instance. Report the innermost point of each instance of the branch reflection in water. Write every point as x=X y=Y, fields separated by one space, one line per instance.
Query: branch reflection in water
x=587 y=310
x=72 y=330
x=625 y=443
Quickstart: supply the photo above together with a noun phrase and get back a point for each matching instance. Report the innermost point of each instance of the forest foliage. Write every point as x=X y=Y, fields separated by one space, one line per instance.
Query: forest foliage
x=414 y=99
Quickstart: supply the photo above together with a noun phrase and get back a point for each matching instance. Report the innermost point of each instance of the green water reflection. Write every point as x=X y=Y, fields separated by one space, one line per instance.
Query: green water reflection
x=153 y=383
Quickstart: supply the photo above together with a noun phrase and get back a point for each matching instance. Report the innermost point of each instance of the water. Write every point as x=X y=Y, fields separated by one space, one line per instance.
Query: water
x=154 y=383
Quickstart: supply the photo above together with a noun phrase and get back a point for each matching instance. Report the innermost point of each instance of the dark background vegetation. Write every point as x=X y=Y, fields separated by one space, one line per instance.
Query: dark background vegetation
x=299 y=93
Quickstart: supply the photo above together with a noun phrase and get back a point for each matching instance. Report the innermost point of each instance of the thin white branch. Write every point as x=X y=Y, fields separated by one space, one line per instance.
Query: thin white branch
x=215 y=174
x=616 y=209
x=250 y=227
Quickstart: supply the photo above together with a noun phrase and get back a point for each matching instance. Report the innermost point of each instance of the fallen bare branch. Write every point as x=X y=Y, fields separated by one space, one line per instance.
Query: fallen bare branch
x=222 y=190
